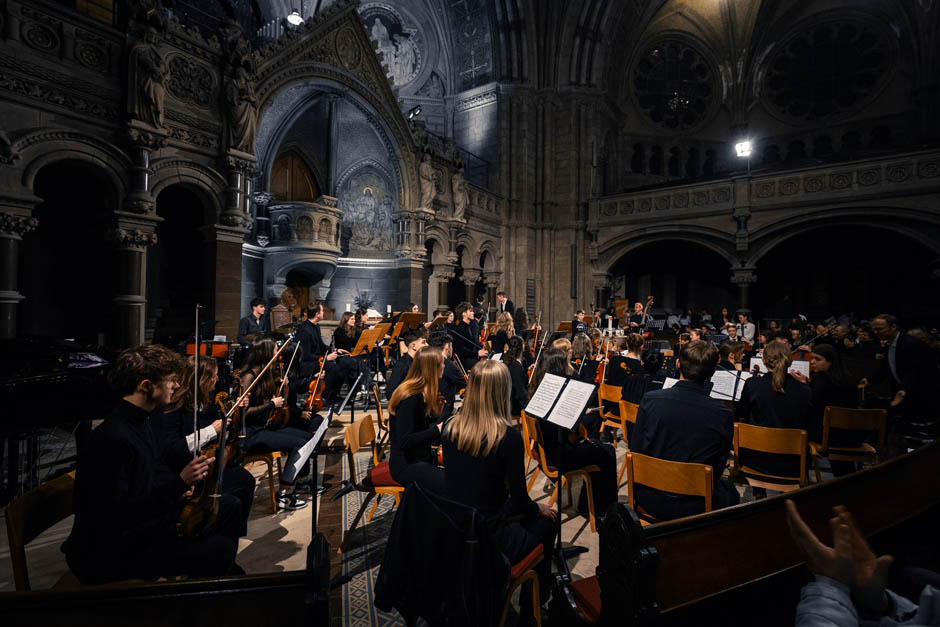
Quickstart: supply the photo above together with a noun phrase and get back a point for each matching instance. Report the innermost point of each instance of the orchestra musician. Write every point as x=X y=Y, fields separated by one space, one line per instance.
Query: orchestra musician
x=254 y=323
x=636 y=319
x=452 y=380
x=413 y=410
x=263 y=436
x=504 y=331
x=513 y=358
x=414 y=341
x=125 y=510
x=467 y=337
x=310 y=342
x=173 y=427
x=504 y=305
x=745 y=328
x=578 y=325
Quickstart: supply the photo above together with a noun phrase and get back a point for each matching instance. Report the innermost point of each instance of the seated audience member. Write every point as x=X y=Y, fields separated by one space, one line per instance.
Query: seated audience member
x=261 y=435
x=125 y=510
x=577 y=453
x=485 y=470
x=413 y=410
x=414 y=341
x=517 y=374
x=830 y=386
x=776 y=400
x=849 y=586
x=452 y=380
x=683 y=424
x=912 y=368
x=173 y=428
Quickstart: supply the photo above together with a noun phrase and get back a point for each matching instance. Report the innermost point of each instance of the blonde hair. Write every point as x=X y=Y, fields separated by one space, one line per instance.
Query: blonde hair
x=504 y=323
x=422 y=378
x=777 y=358
x=481 y=422
x=562 y=344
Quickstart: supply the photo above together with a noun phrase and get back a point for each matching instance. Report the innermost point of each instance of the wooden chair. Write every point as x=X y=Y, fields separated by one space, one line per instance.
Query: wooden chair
x=530 y=448
x=675 y=477
x=31 y=514
x=867 y=420
x=377 y=481
x=383 y=424
x=523 y=572
x=269 y=458
x=626 y=413
x=770 y=440
x=551 y=472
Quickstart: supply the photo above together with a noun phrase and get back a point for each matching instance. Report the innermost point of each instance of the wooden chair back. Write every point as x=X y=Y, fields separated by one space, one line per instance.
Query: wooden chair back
x=357 y=435
x=667 y=476
x=31 y=514
x=770 y=440
x=854 y=420
x=538 y=445
x=383 y=425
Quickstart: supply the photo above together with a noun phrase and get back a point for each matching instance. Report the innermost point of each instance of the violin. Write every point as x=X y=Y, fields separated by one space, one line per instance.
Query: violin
x=314 y=402
x=281 y=415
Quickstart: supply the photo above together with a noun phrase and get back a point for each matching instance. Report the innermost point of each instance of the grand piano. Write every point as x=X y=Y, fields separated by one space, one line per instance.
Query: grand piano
x=46 y=384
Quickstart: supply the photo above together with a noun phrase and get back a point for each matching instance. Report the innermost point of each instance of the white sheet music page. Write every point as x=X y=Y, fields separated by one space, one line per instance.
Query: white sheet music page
x=723 y=385
x=574 y=398
x=544 y=397
x=801 y=367
x=669 y=382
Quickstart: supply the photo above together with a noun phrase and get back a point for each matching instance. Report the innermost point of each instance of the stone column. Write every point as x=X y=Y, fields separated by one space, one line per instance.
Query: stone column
x=470 y=278
x=15 y=222
x=143 y=141
x=492 y=281
x=131 y=238
x=223 y=265
x=241 y=170
x=440 y=275
x=744 y=278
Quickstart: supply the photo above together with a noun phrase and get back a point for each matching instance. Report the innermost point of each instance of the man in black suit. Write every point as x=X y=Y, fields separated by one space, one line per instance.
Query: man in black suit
x=466 y=337
x=504 y=304
x=684 y=424
x=414 y=341
x=452 y=379
x=254 y=323
x=337 y=366
x=911 y=365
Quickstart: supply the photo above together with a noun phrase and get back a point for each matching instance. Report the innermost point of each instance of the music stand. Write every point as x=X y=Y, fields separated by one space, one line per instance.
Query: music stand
x=564 y=326
x=349 y=395
x=412 y=320
x=368 y=340
x=438 y=323
x=655 y=325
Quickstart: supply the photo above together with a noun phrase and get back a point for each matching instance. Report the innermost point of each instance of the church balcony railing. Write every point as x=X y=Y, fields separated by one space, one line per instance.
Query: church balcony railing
x=313 y=226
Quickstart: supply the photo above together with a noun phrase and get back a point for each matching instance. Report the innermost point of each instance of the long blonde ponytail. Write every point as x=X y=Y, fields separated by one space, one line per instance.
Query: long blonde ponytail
x=778 y=359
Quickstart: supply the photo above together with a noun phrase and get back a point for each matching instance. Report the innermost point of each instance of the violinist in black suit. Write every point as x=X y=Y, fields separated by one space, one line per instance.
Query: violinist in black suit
x=466 y=340
x=683 y=424
x=504 y=304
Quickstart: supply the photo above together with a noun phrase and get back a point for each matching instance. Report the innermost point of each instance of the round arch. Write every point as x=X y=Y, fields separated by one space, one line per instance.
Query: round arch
x=720 y=242
x=208 y=184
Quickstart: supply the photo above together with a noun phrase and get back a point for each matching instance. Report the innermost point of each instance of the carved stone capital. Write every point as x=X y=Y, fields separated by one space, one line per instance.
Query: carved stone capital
x=133 y=238
x=235 y=219
x=443 y=273
x=241 y=164
x=149 y=138
x=471 y=275
x=492 y=279
x=743 y=276
x=17 y=225
x=139 y=205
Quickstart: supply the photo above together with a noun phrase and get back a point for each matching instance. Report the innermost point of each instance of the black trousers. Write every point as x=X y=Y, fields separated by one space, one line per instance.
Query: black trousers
x=287 y=440
x=428 y=476
x=238 y=482
x=603 y=481
x=516 y=539
x=208 y=555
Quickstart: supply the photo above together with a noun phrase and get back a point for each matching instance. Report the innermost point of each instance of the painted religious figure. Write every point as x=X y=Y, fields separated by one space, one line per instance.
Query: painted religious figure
x=367 y=213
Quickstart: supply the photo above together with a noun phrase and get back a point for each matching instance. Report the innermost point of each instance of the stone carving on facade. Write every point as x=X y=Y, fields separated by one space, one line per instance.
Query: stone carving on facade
x=426 y=175
x=461 y=197
x=149 y=73
x=243 y=110
x=19 y=226
x=8 y=154
x=191 y=82
x=399 y=45
x=133 y=238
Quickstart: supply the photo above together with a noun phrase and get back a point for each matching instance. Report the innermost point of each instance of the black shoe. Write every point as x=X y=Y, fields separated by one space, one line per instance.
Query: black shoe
x=290 y=502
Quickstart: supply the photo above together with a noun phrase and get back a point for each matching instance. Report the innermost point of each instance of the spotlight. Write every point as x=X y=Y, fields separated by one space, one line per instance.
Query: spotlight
x=414 y=112
x=743 y=148
x=294 y=18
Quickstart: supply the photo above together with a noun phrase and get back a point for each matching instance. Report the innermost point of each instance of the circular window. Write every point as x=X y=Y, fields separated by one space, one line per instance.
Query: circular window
x=827 y=70
x=673 y=85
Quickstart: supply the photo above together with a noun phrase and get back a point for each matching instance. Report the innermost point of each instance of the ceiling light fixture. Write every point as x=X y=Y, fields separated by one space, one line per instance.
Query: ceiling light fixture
x=294 y=18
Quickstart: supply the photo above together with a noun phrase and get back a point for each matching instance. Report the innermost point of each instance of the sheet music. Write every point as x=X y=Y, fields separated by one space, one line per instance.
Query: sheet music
x=307 y=449
x=757 y=361
x=800 y=366
x=496 y=356
x=544 y=397
x=727 y=385
x=669 y=382
x=574 y=398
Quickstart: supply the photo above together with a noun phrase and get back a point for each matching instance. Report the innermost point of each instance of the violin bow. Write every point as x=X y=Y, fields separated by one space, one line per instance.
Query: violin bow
x=196 y=389
x=258 y=378
x=544 y=337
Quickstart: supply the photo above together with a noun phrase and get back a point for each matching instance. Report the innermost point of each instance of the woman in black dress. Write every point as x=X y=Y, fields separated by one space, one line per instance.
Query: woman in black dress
x=485 y=456
x=504 y=331
x=778 y=400
x=413 y=409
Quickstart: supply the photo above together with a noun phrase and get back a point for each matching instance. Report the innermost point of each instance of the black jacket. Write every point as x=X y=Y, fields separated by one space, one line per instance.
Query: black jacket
x=449 y=385
x=397 y=375
x=918 y=372
x=466 y=344
x=249 y=324
x=519 y=397
x=508 y=307
x=411 y=434
x=310 y=341
x=460 y=581
x=762 y=406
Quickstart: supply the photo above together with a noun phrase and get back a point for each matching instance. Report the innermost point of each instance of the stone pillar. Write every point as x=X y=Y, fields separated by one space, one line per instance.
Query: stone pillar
x=492 y=281
x=241 y=170
x=744 y=278
x=131 y=238
x=601 y=282
x=143 y=140
x=223 y=265
x=15 y=222
x=470 y=278
x=437 y=290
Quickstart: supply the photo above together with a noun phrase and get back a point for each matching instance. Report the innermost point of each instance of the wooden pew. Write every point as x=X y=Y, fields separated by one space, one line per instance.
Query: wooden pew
x=697 y=558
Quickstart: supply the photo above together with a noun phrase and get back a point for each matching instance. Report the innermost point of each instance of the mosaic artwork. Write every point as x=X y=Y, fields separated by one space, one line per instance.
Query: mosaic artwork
x=367 y=212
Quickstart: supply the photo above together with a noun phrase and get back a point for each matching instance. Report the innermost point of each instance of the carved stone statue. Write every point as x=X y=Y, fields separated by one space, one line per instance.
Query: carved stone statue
x=149 y=73
x=426 y=176
x=461 y=197
x=243 y=112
